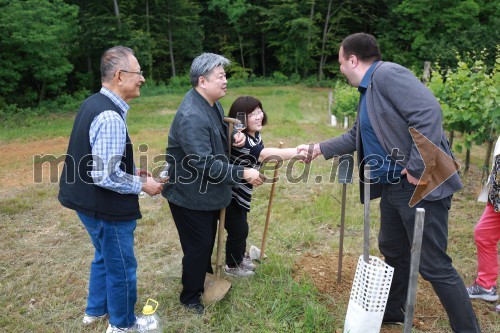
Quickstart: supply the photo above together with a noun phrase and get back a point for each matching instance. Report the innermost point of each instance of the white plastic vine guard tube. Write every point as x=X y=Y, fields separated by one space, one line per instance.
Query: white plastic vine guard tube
x=369 y=294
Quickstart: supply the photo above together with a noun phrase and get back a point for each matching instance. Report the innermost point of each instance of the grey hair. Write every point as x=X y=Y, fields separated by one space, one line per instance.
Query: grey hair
x=204 y=64
x=114 y=59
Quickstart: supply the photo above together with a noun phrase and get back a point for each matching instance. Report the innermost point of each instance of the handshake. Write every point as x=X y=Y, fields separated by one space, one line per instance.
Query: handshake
x=308 y=152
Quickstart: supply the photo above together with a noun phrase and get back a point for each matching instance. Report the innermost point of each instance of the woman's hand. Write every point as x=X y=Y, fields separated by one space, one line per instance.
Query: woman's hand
x=239 y=139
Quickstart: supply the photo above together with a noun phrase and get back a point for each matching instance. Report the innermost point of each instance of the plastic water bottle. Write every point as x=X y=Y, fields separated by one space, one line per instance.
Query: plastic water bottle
x=149 y=321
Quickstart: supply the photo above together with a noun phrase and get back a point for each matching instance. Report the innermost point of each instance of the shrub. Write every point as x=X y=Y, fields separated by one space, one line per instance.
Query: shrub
x=280 y=78
x=345 y=100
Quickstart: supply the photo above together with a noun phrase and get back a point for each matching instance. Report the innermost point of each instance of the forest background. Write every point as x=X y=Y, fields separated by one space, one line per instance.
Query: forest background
x=50 y=50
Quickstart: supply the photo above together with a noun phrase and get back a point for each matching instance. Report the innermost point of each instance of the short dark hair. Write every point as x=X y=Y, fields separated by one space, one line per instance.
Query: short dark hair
x=364 y=46
x=247 y=104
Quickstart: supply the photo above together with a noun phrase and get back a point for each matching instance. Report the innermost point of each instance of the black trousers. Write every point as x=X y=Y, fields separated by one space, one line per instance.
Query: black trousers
x=197 y=230
x=237 y=233
x=397 y=221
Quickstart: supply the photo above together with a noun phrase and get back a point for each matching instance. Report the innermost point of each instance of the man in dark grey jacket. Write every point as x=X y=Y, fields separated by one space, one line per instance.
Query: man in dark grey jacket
x=393 y=101
x=201 y=176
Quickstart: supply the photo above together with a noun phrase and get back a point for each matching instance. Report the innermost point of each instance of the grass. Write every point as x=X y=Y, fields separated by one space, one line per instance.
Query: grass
x=45 y=252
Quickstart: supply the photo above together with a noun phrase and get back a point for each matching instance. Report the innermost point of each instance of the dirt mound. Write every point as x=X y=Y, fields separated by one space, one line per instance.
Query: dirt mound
x=322 y=270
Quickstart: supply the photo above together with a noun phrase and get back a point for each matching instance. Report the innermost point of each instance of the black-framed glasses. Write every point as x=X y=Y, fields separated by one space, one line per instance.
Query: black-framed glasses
x=138 y=73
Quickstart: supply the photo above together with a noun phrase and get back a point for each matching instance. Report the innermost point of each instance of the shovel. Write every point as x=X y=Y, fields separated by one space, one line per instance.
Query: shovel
x=268 y=215
x=215 y=286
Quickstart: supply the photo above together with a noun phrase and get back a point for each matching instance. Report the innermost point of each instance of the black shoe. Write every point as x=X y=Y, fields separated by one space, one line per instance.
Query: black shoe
x=390 y=321
x=197 y=308
x=393 y=318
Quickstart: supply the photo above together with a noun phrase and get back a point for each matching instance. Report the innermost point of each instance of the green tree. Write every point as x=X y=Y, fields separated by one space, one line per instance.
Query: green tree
x=36 y=41
x=291 y=34
x=178 y=35
x=414 y=31
x=102 y=26
x=470 y=99
x=338 y=19
x=236 y=11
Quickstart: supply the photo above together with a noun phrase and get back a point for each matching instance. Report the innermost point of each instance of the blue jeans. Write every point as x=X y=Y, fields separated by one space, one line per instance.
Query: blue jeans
x=395 y=239
x=113 y=278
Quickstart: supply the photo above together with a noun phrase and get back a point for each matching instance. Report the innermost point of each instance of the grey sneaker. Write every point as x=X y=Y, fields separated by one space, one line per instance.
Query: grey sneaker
x=476 y=291
x=114 y=329
x=248 y=264
x=238 y=271
x=89 y=320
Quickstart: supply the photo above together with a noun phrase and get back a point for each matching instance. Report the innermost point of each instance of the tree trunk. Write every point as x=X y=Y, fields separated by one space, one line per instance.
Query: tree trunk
x=322 y=59
x=263 y=54
x=427 y=72
x=117 y=13
x=150 y=55
x=241 y=49
x=450 y=140
x=89 y=63
x=311 y=18
x=486 y=166
x=170 y=47
x=41 y=96
x=467 y=160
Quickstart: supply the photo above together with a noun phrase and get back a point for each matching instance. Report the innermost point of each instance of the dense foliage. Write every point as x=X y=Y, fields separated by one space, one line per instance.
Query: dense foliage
x=469 y=96
x=52 y=47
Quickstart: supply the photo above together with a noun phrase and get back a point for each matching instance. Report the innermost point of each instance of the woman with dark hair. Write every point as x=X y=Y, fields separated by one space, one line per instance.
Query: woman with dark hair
x=250 y=155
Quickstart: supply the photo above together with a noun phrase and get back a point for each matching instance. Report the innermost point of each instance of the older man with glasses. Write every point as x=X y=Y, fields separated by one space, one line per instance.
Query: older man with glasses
x=100 y=182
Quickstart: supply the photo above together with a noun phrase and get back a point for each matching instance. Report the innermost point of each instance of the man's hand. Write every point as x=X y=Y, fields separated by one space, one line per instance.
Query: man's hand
x=151 y=186
x=253 y=176
x=310 y=151
x=412 y=180
x=143 y=173
x=239 y=139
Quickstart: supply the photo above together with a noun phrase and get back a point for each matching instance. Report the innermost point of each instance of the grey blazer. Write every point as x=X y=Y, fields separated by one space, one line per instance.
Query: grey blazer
x=396 y=100
x=200 y=174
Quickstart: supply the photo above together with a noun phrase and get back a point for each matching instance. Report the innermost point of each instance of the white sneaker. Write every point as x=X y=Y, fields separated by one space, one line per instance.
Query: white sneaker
x=114 y=329
x=248 y=264
x=238 y=271
x=89 y=320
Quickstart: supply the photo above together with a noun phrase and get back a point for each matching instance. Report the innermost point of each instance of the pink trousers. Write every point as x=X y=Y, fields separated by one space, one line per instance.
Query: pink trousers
x=487 y=235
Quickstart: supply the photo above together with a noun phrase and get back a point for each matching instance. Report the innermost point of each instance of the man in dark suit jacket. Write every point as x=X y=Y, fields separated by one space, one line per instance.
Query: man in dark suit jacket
x=394 y=102
x=200 y=174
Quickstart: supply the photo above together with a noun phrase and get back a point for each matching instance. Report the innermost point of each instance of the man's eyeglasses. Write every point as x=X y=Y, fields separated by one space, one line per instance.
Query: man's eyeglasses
x=256 y=114
x=138 y=73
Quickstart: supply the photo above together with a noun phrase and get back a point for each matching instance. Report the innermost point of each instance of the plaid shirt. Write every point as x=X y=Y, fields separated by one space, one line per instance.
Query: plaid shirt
x=107 y=140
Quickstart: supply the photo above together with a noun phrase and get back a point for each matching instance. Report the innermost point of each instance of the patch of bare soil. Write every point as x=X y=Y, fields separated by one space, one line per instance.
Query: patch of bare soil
x=17 y=167
x=322 y=270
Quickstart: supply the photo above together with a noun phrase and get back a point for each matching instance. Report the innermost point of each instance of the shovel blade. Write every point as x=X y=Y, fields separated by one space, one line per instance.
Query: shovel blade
x=215 y=289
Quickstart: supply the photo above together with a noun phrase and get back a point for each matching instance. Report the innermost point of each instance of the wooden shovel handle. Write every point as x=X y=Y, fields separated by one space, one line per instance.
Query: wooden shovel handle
x=222 y=215
x=268 y=215
x=220 y=240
